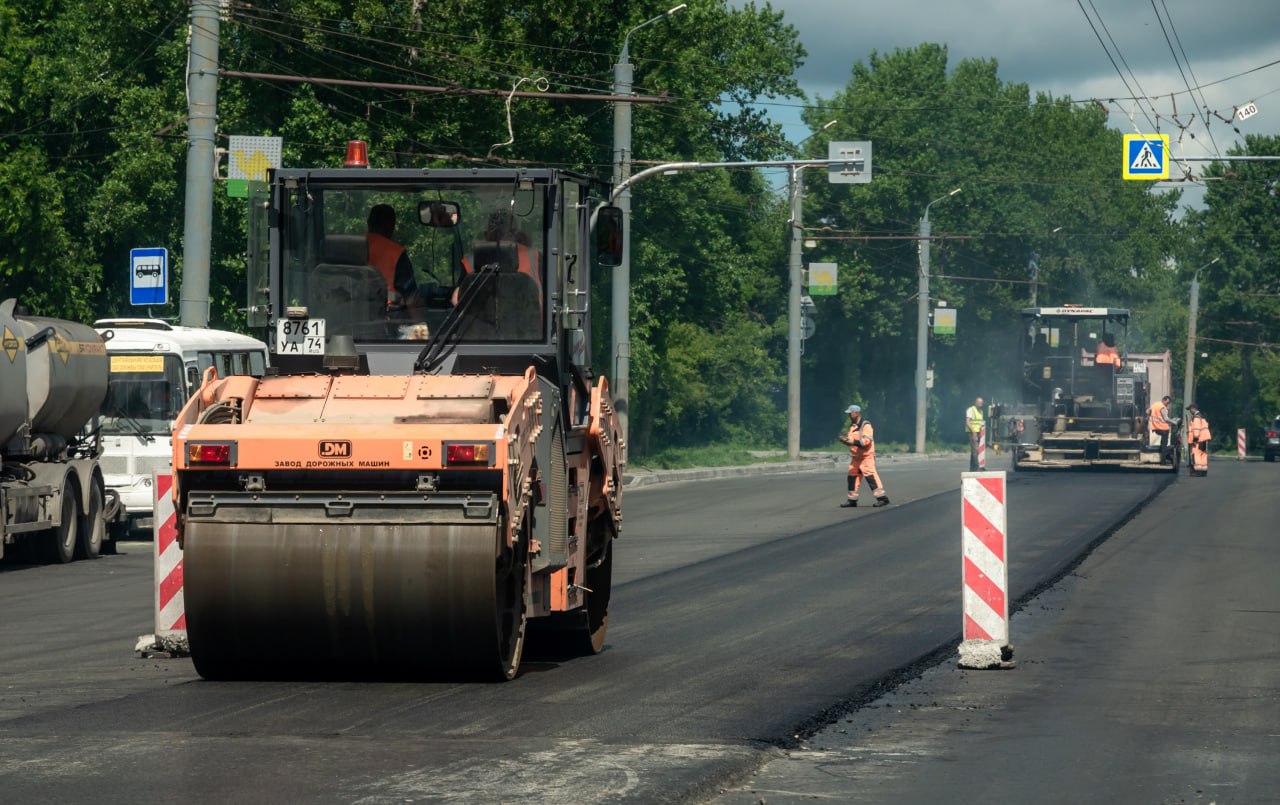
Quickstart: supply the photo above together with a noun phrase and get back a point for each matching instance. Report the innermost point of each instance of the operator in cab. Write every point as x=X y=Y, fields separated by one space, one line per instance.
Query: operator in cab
x=502 y=228
x=1107 y=354
x=390 y=258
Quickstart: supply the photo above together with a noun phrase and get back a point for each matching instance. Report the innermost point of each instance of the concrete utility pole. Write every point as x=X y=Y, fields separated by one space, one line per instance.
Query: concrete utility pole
x=623 y=74
x=796 y=273
x=793 y=299
x=922 y=322
x=202 y=128
x=1189 y=381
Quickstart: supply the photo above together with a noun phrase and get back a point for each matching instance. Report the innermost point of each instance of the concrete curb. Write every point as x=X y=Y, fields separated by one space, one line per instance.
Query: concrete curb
x=813 y=462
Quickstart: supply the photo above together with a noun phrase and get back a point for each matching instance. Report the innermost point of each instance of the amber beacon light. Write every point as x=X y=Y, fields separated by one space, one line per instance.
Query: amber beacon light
x=357 y=154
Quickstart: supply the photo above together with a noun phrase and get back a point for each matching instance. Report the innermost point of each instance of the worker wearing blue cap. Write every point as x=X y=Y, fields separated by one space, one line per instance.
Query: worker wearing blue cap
x=861 y=440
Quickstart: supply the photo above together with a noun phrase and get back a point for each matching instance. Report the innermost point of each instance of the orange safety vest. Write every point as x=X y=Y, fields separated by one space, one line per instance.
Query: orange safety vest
x=527 y=265
x=1198 y=430
x=1107 y=354
x=863 y=437
x=1159 y=417
x=384 y=254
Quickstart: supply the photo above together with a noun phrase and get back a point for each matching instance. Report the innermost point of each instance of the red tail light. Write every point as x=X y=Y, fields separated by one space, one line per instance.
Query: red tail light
x=469 y=453
x=210 y=453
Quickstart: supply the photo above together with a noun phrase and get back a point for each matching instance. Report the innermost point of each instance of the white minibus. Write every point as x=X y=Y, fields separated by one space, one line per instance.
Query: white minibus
x=154 y=368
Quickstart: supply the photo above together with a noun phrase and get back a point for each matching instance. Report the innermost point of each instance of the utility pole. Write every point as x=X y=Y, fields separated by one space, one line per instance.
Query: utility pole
x=202 y=128
x=796 y=273
x=1189 y=381
x=922 y=322
x=794 y=266
x=623 y=74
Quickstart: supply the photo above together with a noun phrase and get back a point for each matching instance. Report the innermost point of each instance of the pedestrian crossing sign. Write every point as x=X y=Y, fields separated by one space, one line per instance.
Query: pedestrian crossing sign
x=1146 y=156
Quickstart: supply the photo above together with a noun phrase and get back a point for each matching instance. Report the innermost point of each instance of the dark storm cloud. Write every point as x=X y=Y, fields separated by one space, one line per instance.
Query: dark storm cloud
x=1047 y=44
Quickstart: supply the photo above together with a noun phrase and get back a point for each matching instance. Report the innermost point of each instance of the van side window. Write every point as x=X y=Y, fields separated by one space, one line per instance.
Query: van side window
x=238 y=362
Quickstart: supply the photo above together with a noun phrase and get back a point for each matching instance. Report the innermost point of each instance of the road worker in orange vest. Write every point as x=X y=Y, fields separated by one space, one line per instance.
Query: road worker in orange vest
x=1107 y=352
x=501 y=228
x=1159 y=423
x=861 y=439
x=389 y=257
x=1198 y=437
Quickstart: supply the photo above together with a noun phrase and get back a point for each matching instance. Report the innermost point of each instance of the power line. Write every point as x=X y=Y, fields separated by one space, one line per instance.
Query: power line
x=1204 y=103
x=1141 y=92
x=449 y=90
x=1185 y=82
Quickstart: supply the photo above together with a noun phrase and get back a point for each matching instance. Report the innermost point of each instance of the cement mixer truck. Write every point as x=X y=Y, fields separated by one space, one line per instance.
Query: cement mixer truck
x=53 y=376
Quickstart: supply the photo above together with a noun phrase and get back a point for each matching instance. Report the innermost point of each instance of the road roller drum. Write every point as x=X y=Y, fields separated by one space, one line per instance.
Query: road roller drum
x=399 y=597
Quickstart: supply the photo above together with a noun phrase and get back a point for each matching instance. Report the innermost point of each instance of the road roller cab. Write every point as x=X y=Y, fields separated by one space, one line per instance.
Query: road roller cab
x=430 y=469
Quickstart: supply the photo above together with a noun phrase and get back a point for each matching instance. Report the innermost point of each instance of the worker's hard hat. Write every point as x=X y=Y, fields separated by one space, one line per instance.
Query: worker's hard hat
x=853 y=409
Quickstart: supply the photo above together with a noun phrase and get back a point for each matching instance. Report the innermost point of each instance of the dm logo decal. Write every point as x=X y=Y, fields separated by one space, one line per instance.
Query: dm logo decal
x=335 y=449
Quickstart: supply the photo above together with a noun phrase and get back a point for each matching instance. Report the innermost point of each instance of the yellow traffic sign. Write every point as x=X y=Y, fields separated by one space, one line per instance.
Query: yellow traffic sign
x=1146 y=157
x=822 y=279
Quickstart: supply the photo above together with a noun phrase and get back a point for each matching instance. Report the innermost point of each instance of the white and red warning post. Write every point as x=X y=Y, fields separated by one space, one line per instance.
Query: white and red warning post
x=170 y=609
x=985 y=571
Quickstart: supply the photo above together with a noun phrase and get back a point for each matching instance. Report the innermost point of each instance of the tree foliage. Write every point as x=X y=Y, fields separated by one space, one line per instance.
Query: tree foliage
x=1040 y=192
x=92 y=161
x=1238 y=383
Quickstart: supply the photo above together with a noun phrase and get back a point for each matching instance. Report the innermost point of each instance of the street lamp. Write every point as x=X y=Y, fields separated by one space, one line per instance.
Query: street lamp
x=622 y=76
x=922 y=320
x=1189 y=382
x=796 y=272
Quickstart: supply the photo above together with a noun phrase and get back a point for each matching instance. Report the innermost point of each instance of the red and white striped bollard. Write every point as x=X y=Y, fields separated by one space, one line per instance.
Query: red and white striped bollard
x=985 y=590
x=171 y=614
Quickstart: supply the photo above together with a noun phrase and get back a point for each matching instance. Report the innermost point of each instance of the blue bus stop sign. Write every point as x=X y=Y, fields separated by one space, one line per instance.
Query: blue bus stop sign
x=149 y=276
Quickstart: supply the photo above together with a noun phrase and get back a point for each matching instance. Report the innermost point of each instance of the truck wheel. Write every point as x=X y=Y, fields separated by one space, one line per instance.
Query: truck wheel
x=61 y=547
x=92 y=528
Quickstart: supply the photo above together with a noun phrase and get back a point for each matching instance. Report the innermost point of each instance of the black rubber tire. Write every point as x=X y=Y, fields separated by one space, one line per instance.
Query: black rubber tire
x=62 y=539
x=582 y=631
x=600 y=582
x=512 y=613
x=92 y=528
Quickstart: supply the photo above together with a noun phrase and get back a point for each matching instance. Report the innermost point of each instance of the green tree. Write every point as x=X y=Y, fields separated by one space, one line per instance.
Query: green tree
x=1238 y=384
x=1040 y=184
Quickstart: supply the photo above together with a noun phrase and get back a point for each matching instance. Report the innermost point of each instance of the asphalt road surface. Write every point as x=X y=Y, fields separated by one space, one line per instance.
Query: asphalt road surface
x=747 y=614
x=1151 y=674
